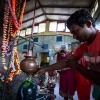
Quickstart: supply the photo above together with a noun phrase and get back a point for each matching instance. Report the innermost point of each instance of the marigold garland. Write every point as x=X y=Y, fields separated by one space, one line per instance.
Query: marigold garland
x=15 y=59
x=17 y=25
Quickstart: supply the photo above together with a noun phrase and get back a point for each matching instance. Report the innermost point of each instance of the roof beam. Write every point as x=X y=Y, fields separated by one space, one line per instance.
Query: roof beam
x=31 y=25
x=56 y=6
x=33 y=9
x=44 y=21
x=46 y=14
x=64 y=6
x=32 y=18
x=42 y=9
x=57 y=14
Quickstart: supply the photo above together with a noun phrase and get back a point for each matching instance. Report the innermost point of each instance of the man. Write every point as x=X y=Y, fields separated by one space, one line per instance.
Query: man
x=82 y=26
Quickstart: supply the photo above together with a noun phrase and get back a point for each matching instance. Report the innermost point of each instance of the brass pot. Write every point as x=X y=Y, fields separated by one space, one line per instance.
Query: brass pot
x=29 y=65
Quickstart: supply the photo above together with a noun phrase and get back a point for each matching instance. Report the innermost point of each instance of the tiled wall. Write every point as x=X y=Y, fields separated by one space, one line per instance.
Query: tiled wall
x=48 y=40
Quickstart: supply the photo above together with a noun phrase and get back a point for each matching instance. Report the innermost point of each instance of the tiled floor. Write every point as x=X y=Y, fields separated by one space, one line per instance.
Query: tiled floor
x=58 y=97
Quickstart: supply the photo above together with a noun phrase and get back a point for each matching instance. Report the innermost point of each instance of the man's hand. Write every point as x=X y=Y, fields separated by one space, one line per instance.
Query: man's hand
x=41 y=71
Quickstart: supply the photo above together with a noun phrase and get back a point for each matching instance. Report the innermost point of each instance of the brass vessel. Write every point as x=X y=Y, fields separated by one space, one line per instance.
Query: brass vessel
x=29 y=65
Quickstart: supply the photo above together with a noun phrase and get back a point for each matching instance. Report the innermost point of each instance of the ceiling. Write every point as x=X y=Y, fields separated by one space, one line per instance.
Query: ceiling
x=38 y=11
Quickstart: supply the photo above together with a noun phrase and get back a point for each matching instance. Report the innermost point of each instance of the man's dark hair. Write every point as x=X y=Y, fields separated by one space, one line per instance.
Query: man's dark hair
x=79 y=18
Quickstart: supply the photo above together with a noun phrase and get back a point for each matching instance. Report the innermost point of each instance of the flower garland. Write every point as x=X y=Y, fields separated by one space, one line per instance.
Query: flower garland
x=10 y=27
x=15 y=60
x=18 y=23
x=13 y=12
x=5 y=27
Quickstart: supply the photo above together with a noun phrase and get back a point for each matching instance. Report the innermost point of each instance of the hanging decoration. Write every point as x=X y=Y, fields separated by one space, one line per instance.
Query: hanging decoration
x=13 y=16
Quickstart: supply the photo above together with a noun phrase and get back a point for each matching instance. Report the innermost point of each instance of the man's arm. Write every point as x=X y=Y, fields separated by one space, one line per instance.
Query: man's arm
x=55 y=66
x=91 y=75
x=59 y=65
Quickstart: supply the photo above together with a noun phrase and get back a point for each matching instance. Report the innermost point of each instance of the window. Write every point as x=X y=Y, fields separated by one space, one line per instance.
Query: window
x=61 y=27
x=94 y=9
x=53 y=26
x=67 y=30
x=35 y=29
x=25 y=46
x=28 y=31
x=59 y=38
x=45 y=46
x=42 y=27
x=22 y=33
x=97 y=25
x=69 y=46
x=35 y=39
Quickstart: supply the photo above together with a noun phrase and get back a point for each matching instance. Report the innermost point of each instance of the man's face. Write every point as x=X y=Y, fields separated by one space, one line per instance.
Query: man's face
x=79 y=33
